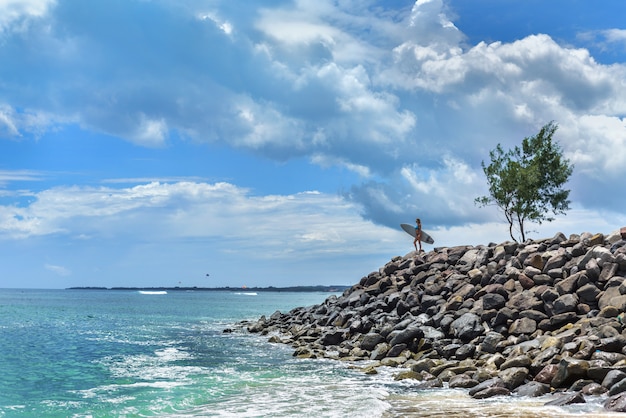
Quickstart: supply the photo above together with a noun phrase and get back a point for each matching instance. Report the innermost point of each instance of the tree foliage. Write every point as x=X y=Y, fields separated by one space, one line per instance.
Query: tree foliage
x=526 y=183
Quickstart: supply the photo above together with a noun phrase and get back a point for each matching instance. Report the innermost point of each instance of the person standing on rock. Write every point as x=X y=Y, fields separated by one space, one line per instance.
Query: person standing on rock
x=418 y=234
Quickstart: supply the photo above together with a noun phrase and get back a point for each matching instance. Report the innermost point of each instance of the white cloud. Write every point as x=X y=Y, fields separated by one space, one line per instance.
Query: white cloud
x=224 y=25
x=59 y=270
x=393 y=94
x=312 y=222
x=7 y=176
x=615 y=35
x=8 y=126
x=261 y=126
x=150 y=132
x=16 y=14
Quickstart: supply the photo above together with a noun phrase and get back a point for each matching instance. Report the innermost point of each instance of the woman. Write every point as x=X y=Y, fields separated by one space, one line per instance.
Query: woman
x=418 y=234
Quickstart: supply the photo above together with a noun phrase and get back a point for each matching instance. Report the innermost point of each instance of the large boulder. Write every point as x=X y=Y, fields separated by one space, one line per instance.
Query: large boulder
x=467 y=327
x=371 y=340
x=406 y=336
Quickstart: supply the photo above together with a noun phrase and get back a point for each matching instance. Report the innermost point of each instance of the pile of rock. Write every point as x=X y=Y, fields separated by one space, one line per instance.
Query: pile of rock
x=527 y=318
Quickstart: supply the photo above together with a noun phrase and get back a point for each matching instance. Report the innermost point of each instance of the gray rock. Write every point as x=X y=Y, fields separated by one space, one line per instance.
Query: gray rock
x=565 y=303
x=332 y=337
x=569 y=370
x=380 y=352
x=556 y=261
x=518 y=361
x=523 y=326
x=593 y=389
x=504 y=315
x=588 y=293
x=493 y=382
x=567 y=286
x=547 y=374
x=407 y=336
x=462 y=381
x=618 y=387
x=513 y=377
x=371 y=340
x=491 y=392
x=567 y=399
x=616 y=403
x=465 y=351
x=493 y=301
x=467 y=327
x=533 y=389
x=489 y=344
x=524 y=301
x=614 y=344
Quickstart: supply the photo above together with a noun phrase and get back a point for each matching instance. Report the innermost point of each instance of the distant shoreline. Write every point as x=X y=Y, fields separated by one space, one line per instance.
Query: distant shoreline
x=329 y=289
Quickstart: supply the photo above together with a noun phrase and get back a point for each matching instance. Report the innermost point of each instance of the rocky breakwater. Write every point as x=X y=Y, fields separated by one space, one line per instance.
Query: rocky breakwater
x=528 y=318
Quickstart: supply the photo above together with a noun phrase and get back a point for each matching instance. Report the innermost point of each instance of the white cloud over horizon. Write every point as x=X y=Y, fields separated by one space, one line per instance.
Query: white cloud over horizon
x=384 y=109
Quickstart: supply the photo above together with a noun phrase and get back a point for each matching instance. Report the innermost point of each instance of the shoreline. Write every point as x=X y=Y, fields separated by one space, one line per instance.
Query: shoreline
x=328 y=289
x=542 y=317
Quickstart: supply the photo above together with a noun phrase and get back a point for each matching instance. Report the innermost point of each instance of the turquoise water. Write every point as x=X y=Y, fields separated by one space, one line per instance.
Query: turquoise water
x=91 y=353
x=122 y=353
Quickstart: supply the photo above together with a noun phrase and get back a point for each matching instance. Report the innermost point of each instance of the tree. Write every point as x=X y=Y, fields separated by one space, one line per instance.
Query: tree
x=526 y=184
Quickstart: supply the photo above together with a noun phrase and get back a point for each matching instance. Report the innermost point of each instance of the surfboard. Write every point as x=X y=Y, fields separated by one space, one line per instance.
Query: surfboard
x=410 y=229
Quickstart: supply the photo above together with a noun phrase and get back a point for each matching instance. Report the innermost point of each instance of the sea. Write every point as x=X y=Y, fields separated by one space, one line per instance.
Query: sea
x=122 y=353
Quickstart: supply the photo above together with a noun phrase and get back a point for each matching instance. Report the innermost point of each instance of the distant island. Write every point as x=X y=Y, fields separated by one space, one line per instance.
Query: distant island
x=330 y=289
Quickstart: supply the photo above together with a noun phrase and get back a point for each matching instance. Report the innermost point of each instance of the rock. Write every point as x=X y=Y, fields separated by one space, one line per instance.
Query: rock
x=524 y=301
x=556 y=261
x=597 y=239
x=491 y=392
x=407 y=336
x=618 y=387
x=423 y=365
x=533 y=389
x=370 y=370
x=535 y=261
x=567 y=399
x=467 y=327
x=588 y=293
x=513 y=376
x=523 y=326
x=490 y=383
x=396 y=350
x=430 y=384
x=549 y=311
x=465 y=351
x=614 y=344
x=493 y=301
x=593 y=389
x=462 y=381
x=518 y=361
x=489 y=344
x=547 y=374
x=616 y=403
x=371 y=340
x=332 y=337
x=565 y=303
x=408 y=374
x=569 y=370
x=380 y=352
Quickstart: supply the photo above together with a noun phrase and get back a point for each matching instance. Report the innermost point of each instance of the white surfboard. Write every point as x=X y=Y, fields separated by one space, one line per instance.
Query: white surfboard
x=410 y=229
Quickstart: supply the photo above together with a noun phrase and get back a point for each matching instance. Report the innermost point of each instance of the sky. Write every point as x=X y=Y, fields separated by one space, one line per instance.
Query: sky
x=280 y=143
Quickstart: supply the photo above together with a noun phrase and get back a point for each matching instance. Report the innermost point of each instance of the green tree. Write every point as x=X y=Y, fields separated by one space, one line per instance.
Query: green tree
x=526 y=183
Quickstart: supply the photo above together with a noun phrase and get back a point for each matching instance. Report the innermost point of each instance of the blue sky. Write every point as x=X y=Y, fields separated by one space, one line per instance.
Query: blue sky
x=282 y=142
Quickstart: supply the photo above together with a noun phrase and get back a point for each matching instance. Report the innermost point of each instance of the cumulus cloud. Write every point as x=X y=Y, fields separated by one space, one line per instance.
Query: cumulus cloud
x=163 y=212
x=397 y=95
x=16 y=14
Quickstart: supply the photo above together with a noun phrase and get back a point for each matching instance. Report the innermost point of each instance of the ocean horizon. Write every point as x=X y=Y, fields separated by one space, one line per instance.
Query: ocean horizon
x=97 y=353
